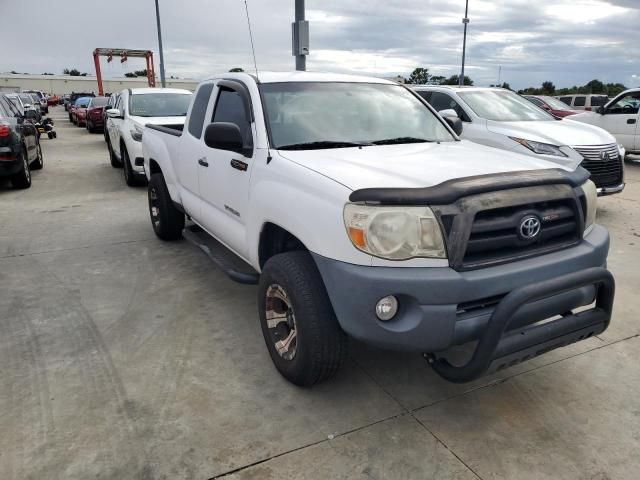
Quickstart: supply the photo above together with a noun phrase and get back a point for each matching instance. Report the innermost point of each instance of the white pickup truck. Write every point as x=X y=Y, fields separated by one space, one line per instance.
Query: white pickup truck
x=359 y=212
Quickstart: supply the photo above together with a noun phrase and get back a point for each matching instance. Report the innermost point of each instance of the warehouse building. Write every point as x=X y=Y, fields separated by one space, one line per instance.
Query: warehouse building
x=61 y=84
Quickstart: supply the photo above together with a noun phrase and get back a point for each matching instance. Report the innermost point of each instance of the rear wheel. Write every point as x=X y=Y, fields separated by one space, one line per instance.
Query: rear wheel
x=22 y=179
x=39 y=161
x=304 y=339
x=166 y=219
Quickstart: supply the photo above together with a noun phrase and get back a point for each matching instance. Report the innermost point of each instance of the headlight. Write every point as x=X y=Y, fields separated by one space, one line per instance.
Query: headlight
x=540 y=148
x=136 y=133
x=394 y=233
x=591 y=196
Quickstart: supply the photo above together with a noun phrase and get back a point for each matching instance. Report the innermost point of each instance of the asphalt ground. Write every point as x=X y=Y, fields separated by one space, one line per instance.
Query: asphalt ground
x=124 y=357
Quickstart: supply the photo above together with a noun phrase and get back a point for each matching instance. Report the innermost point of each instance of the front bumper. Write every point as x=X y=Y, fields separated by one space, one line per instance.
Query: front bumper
x=441 y=307
x=603 y=191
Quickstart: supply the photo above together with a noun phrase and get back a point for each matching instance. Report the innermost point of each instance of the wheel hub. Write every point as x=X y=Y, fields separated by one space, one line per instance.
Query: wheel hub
x=154 y=208
x=281 y=321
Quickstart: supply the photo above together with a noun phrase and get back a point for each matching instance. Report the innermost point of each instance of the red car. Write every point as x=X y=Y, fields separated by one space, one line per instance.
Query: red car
x=78 y=111
x=552 y=105
x=53 y=100
x=93 y=118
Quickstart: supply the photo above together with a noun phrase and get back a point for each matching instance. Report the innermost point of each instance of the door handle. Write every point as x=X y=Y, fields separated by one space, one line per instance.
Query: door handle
x=239 y=165
x=203 y=161
x=631 y=121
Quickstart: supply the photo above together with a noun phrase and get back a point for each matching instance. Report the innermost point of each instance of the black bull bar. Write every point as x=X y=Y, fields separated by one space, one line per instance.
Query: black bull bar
x=500 y=348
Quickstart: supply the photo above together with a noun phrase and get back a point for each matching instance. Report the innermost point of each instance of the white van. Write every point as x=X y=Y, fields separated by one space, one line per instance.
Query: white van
x=584 y=102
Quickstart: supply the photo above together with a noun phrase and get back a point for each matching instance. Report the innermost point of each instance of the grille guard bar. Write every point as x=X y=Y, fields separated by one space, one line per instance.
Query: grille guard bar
x=496 y=350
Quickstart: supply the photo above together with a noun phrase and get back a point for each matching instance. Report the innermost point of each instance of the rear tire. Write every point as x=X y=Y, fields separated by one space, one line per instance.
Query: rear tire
x=167 y=221
x=292 y=292
x=39 y=161
x=22 y=179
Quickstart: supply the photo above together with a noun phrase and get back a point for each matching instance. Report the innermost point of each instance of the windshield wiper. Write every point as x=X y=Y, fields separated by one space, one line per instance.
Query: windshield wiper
x=399 y=140
x=323 y=144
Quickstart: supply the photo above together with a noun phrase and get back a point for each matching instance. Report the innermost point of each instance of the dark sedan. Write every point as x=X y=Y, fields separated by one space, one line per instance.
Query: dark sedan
x=20 y=150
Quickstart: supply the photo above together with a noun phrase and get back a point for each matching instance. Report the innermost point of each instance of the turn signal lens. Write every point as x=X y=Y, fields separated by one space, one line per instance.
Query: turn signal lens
x=357 y=237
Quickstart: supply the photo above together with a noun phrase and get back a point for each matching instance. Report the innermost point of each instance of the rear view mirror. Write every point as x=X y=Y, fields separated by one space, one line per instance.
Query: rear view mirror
x=114 y=113
x=455 y=123
x=451 y=117
x=224 y=136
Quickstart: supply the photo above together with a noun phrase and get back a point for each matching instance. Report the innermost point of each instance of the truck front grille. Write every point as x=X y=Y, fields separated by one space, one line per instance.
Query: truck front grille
x=498 y=234
x=604 y=163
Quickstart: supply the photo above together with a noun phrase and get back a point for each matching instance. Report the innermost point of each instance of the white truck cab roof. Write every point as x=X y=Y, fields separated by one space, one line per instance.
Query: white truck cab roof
x=280 y=77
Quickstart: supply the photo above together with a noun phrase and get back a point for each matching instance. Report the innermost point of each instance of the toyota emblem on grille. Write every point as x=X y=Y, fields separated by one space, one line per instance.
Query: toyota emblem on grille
x=529 y=227
x=604 y=156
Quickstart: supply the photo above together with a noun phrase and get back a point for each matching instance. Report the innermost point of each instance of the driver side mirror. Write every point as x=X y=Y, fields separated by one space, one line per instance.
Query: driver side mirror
x=451 y=117
x=600 y=110
x=224 y=136
x=114 y=113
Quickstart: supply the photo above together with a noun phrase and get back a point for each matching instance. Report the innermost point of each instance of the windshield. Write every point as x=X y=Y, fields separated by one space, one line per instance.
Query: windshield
x=159 y=104
x=83 y=102
x=305 y=115
x=503 y=106
x=556 y=104
x=26 y=99
x=98 y=101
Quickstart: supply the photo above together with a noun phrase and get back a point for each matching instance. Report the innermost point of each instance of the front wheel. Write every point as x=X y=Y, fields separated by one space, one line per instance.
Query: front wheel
x=304 y=339
x=129 y=175
x=166 y=219
x=39 y=161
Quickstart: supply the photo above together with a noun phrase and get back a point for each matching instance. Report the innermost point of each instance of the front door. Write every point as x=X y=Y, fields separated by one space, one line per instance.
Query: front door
x=224 y=177
x=621 y=120
x=113 y=126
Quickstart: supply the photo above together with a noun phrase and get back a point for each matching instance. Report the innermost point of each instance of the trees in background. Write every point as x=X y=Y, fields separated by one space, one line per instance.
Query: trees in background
x=421 y=76
x=136 y=73
x=595 y=86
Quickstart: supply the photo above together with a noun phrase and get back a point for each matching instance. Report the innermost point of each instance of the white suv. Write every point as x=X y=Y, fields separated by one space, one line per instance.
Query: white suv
x=134 y=109
x=502 y=119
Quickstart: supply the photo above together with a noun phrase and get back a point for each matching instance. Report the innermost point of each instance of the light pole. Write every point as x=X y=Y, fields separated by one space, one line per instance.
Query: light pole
x=162 y=79
x=300 y=37
x=465 y=21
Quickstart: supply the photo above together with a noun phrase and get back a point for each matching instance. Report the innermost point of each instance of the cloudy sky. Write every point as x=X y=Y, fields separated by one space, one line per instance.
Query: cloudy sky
x=566 y=41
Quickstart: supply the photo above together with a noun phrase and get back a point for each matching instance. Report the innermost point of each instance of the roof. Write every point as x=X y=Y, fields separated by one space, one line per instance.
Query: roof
x=142 y=91
x=456 y=88
x=280 y=77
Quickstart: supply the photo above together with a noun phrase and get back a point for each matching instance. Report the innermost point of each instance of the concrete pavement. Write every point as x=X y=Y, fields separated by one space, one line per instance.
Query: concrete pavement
x=123 y=357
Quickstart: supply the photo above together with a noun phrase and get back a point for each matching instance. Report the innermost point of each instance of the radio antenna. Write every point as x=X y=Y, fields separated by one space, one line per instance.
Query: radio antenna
x=253 y=50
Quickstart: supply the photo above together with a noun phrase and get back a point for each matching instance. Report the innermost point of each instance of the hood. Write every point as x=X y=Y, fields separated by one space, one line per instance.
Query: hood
x=142 y=121
x=412 y=165
x=591 y=118
x=556 y=132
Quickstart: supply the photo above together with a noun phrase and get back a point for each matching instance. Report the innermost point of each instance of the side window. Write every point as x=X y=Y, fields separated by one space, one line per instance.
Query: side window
x=536 y=101
x=229 y=108
x=424 y=94
x=566 y=100
x=199 y=109
x=579 y=101
x=3 y=112
x=441 y=101
x=629 y=104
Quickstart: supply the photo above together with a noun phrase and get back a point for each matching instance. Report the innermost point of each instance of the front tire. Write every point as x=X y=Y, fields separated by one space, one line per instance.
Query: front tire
x=39 y=161
x=300 y=328
x=129 y=175
x=22 y=179
x=167 y=221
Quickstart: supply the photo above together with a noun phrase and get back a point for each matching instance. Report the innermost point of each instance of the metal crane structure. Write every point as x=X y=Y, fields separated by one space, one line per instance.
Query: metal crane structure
x=124 y=55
